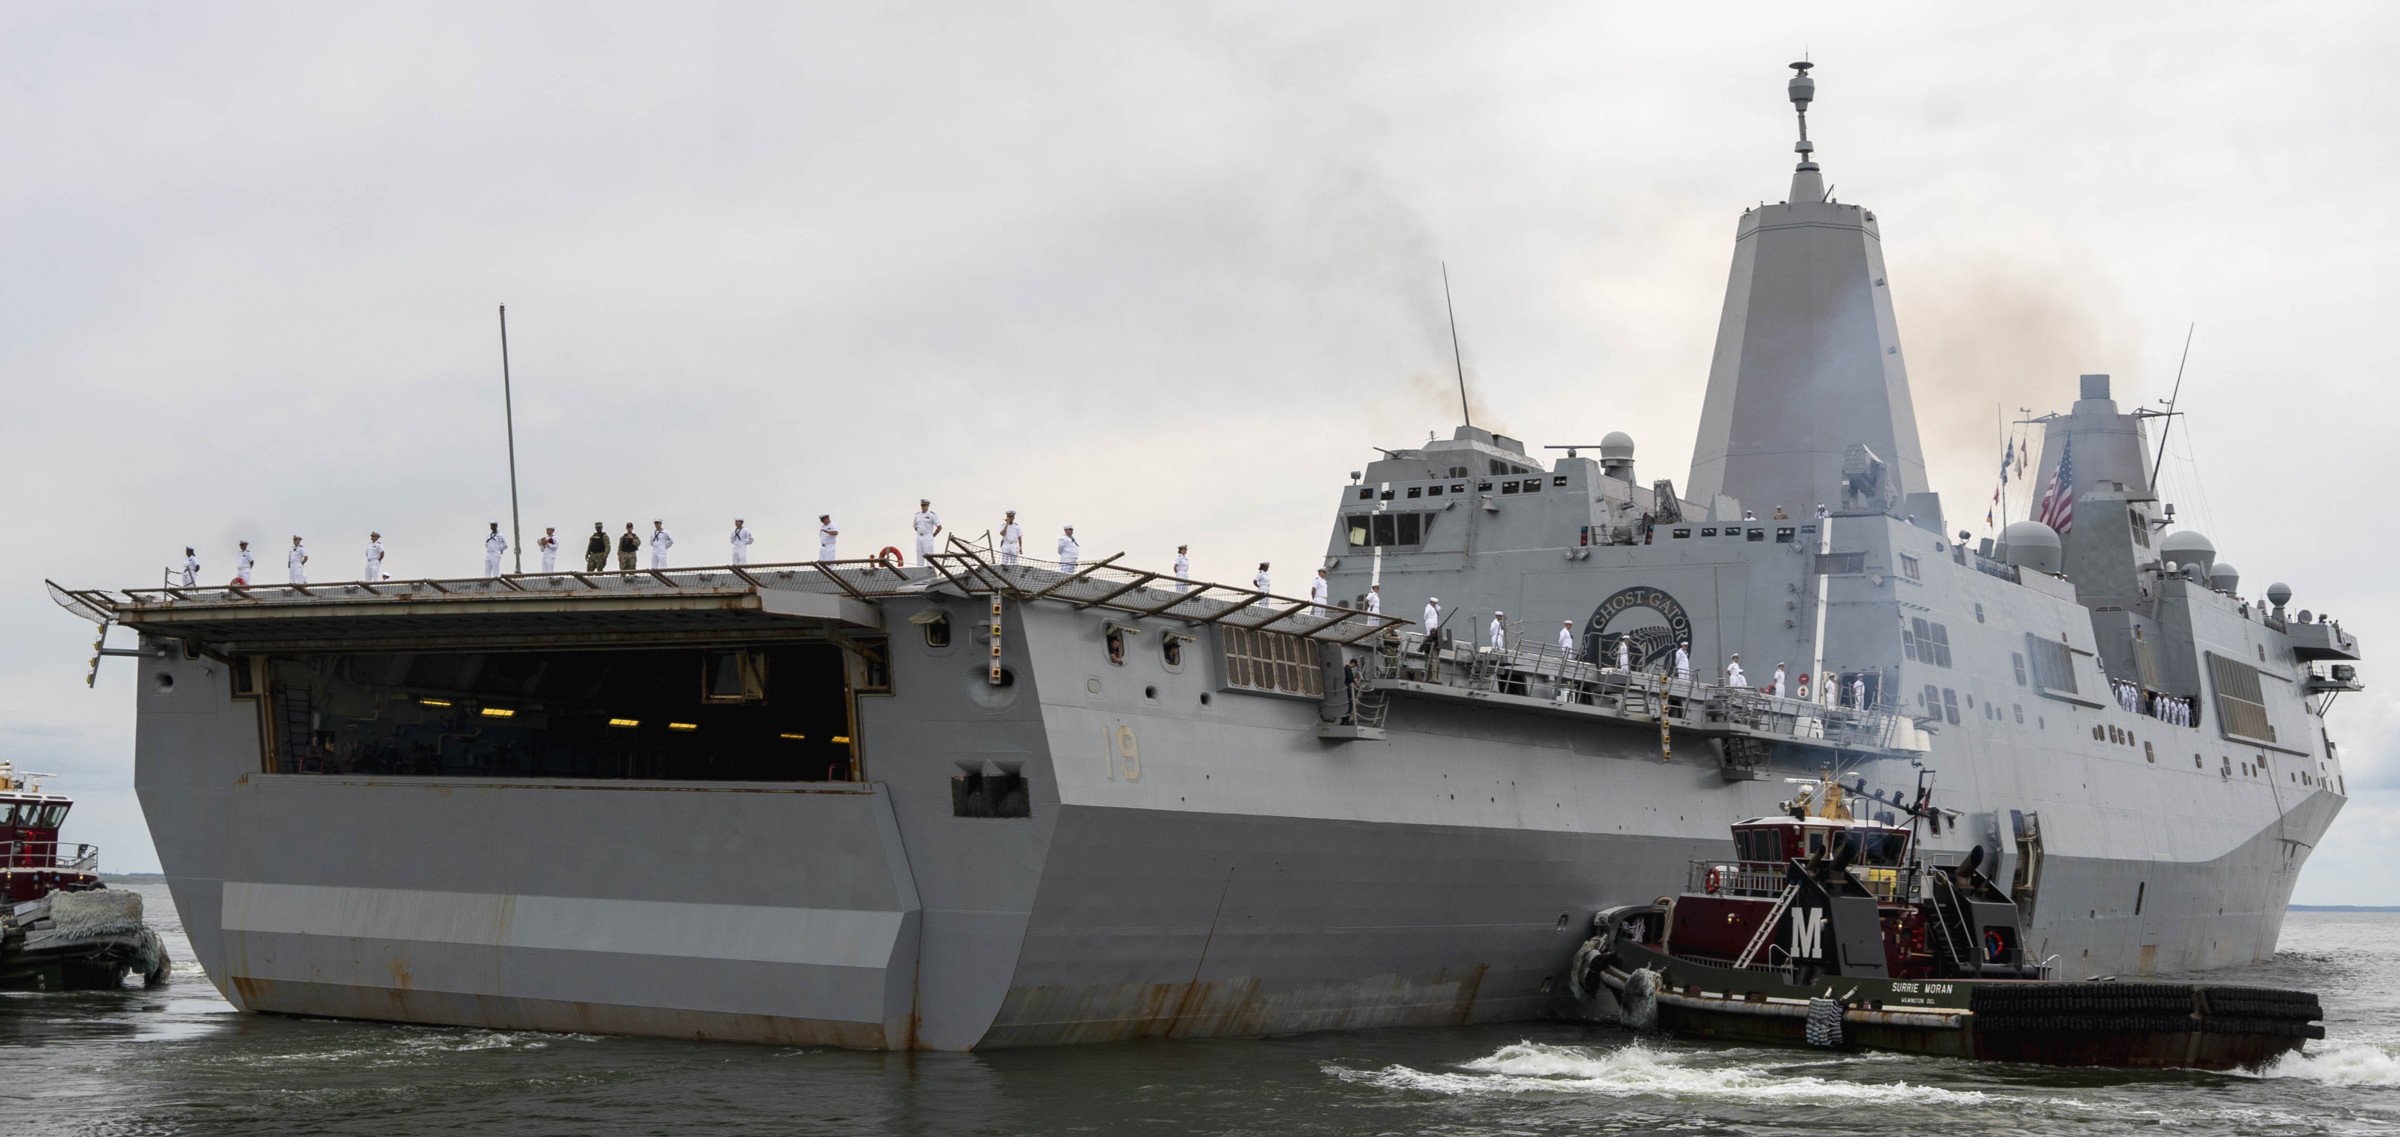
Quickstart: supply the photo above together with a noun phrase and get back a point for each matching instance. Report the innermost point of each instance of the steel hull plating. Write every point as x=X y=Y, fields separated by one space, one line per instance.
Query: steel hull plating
x=1248 y=880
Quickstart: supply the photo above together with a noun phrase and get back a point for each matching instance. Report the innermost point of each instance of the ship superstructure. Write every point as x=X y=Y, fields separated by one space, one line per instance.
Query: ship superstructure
x=972 y=804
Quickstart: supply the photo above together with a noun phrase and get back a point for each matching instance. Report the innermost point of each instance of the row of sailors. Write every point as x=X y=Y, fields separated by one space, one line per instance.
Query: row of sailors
x=2174 y=710
x=926 y=524
x=1570 y=646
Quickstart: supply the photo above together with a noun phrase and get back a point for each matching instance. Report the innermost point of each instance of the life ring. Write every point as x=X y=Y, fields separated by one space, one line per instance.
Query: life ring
x=1712 y=880
x=891 y=556
x=1995 y=949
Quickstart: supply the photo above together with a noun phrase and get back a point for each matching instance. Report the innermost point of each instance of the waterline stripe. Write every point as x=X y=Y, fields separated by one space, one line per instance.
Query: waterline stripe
x=828 y=937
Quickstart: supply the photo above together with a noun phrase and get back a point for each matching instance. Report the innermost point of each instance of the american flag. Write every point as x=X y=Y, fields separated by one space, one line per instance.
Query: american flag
x=2058 y=502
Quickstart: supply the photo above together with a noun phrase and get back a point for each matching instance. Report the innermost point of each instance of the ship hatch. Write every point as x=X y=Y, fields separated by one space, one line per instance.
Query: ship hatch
x=770 y=713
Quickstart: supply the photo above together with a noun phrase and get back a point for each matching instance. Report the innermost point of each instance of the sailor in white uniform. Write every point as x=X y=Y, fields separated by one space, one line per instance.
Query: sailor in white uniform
x=1183 y=567
x=191 y=567
x=1733 y=672
x=928 y=525
x=1498 y=633
x=742 y=540
x=1433 y=615
x=1260 y=581
x=493 y=546
x=660 y=542
x=1012 y=539
x=242 y=562
x=1318 y=590
x=374 y=557
x=1775 y=685
x=1375 y=599
x=1566 y=637
x=826 y=536
x=1069 y=551
x=1858 y=693
x=297 y=561
x=1683 y=660
x=1625 y=652
x=548 y=543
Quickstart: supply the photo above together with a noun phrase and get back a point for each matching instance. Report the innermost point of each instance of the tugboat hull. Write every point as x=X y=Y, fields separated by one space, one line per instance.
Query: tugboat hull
x=84 y=940
x=2123 y=1025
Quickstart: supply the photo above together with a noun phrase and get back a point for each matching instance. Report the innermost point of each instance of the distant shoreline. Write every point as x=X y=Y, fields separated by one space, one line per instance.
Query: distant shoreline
x=2344 y=908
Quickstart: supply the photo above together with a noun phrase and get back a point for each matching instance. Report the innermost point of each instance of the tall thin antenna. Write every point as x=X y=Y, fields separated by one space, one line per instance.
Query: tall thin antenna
x=1456 y=360
x=2177 y=393
x=516 y=529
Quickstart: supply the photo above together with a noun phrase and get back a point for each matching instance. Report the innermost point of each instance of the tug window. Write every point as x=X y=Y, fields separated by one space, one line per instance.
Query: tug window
x=937 y=631
x=1170 y=649
x=1116 y=647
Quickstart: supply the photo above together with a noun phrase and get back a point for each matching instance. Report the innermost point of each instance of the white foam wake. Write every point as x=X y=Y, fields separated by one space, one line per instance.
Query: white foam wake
x=1636 y=1070
x=2341 y=1064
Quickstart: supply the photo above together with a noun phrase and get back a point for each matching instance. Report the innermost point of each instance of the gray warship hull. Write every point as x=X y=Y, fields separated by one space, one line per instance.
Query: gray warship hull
x=1194 y=858
x=973 y=805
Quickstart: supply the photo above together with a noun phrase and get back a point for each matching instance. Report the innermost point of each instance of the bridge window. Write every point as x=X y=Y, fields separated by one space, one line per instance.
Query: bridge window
x=2016 y=661
x=1416 y=491
x=1384 y=530
x=1832 y=563
x=1950 y=705
x=1908 y=567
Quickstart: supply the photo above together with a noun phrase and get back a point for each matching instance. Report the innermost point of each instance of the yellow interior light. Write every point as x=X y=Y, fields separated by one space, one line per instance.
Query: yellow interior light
x=499 y=713
x=433 y=702
x=625 y=722
x=795 y=737
x=841 y=740
x=683 y=726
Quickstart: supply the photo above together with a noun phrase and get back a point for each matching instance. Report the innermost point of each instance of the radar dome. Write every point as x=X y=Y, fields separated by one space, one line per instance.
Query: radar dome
x=2279 y=594
x=2224 y=577
x=2186 y=547
x=1616 y=444
x=2032 y=545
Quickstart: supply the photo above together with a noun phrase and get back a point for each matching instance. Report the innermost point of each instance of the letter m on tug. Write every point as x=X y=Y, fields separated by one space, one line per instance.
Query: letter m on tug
x=1808 y=933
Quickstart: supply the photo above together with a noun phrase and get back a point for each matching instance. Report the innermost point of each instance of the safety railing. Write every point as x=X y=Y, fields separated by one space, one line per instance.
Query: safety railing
x=1545 y=671
x=1098 y=584
x=48 y=856
x=1763 y=881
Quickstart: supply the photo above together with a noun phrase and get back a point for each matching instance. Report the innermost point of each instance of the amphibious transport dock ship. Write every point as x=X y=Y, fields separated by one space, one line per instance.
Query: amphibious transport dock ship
x=969 y=805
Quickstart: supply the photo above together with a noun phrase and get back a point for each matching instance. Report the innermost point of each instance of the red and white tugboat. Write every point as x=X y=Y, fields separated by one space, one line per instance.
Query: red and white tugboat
x=61 y=928
x=1827 y=930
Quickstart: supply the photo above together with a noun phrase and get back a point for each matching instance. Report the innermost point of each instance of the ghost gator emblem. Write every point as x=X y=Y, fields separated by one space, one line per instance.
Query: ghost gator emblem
x=1654 y=620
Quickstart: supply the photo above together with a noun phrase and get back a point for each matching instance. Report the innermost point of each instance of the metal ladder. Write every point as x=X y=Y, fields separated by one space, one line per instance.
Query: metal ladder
x=1766 y=927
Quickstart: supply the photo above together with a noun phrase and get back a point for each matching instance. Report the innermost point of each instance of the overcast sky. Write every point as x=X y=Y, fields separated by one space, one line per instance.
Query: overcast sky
x=1165 y=272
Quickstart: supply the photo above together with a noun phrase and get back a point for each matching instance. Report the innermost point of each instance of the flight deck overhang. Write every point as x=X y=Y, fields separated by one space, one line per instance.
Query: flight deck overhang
x=501 y=613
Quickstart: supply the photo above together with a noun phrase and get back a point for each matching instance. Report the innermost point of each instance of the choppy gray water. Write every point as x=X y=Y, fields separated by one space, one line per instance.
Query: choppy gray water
x=182 y=1061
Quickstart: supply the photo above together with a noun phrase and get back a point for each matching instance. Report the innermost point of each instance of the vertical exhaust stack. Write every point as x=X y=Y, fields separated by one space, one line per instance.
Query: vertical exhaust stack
x=1808 y=359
